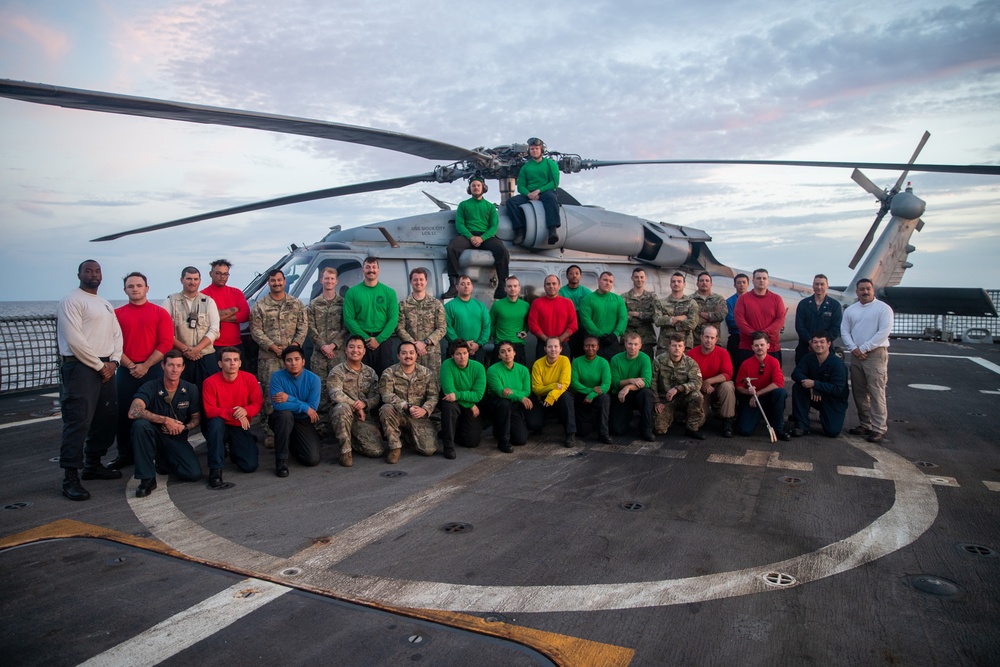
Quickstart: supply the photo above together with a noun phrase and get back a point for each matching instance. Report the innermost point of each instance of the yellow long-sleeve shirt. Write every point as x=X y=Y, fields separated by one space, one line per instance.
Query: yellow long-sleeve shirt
x=545 y=377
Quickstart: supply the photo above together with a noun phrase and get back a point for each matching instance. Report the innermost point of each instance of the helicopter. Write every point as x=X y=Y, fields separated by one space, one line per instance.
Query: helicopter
x=595 y=239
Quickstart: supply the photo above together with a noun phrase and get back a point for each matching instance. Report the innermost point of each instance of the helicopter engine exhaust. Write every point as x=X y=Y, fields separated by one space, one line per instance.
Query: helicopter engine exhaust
x=595 y=230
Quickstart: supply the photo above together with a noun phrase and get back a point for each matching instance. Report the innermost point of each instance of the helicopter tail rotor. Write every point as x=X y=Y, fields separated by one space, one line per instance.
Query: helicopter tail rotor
x=882 y=196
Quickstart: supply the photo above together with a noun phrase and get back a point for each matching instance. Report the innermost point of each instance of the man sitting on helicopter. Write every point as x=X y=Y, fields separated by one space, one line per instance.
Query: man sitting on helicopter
x=476 y=222
x=537 y=181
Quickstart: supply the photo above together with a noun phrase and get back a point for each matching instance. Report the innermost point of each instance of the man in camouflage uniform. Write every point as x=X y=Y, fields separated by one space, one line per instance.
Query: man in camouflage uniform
x=422 y=322
x=643 y=308
x=677 y=384
x=409 y=394
x=353 y=390
x=712 y=308
x=276 y=321
x=679 y=315
x=325 y=315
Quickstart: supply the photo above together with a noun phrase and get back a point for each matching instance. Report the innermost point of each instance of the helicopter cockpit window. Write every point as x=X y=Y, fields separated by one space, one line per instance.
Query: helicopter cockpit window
x=348 y=273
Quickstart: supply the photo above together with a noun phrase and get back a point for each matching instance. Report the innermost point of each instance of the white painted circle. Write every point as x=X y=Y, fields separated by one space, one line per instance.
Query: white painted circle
x=929 y=387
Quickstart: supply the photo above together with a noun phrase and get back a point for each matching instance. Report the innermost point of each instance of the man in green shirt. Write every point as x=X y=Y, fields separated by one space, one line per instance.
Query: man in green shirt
x=509 y=321
x=476 y=222
x=575 y=292
x=590 y=384
x=371 y=310
x=603 y=315
x=631 y=380
x=463 y=385
x=537 y=181
x=468 y=319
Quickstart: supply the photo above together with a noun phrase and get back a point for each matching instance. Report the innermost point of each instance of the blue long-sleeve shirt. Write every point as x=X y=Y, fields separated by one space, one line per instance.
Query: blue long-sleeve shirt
x=303 y=391
x=830 y=376
x=811 y=320
x=730 y=315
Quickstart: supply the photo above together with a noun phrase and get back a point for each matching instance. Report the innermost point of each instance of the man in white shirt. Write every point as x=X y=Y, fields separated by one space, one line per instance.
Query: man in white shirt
x=865 y=331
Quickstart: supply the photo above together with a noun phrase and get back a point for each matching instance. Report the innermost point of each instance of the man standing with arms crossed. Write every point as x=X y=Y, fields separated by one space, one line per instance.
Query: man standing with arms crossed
x=325 y=317
x=551 y=315
x=760 y=310
x=371 y=310
x=422 y=321
x=147 y=334
x=865 y=330
x=90 y=347
x=276 y=322
x=712 y=307
x=232 y=306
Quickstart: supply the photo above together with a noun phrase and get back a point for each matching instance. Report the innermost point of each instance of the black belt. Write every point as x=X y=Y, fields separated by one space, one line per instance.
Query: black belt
x=70 y=358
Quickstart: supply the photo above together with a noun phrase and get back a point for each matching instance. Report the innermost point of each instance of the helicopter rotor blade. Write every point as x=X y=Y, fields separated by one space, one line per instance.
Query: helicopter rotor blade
x=370 y=186
x=869 y=237
x=91 y=100
x=983 y=169
x=913 y=158
x=866 y=183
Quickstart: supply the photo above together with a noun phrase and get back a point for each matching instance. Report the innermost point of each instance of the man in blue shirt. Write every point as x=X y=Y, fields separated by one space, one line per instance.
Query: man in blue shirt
x=815 y=314
x=742 y=283
x=295 y=396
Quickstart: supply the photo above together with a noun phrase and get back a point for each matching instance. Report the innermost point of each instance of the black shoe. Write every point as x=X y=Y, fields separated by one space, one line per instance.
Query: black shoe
x=499 y=293
x=146 y=487
x=450 y=294
x=553 y=237
x=449 y=452
x=98 y=471
x=120 y=462
x=215 y=478
x=505 y=448
x=648 y=436
x=607 y=439
x=571 y=440
x=280 y=469
x=860 y=430
x=784 y=436
x=518 y=237
x=876 y=437
x=71 y=487
x=799 y=432
x=694 y=433
x=727 y=428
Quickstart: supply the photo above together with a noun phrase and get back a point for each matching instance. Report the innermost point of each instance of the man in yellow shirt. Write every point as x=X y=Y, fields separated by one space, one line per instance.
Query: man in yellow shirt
x=550 y=379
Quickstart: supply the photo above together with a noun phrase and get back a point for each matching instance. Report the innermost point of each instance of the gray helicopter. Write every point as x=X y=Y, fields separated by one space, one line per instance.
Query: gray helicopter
x=591 y=237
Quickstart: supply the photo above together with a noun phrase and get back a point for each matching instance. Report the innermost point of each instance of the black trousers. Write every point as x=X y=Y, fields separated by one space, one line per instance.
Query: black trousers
x=459 y=426
x=89 y=415
x=509 y=423
x=125 y=387
x=594 y=414
x=494 y=245
x=380 y=358
x=296 y=436
x=621 y=412
x=550 y=202
x=563 y=407
x=242 y=446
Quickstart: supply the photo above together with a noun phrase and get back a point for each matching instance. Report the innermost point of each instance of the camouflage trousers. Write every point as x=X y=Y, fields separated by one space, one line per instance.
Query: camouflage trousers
x=266 y=366
x=352 y=433
x=693 y=405
x=432 y=360
x=422 y=432
x=320 y=365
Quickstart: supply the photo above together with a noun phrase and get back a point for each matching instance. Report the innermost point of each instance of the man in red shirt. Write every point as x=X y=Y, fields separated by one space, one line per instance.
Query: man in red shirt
x=147 y=334
x=717 y=377
x=231 y=399
x=760 y=309
x=551 y=316
x=764 y=372
x=233 y=307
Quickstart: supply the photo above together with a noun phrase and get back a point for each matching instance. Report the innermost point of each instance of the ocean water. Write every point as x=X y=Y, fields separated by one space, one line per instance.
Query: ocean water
x=38 y=308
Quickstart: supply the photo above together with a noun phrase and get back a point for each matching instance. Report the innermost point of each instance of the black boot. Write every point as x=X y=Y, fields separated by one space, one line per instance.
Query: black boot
x=71 y=487
x=452 y=290
x=94 y=469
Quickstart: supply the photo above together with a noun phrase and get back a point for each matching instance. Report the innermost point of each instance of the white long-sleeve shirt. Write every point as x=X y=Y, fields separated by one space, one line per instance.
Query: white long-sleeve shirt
x=867 y=325
x=86 y=328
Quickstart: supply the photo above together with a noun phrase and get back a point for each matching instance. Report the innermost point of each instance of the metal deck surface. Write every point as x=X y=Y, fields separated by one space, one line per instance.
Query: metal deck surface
x=740 y=552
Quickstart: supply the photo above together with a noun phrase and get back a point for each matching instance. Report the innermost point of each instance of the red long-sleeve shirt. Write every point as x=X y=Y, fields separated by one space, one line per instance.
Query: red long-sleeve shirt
x=229 y=297
x=145 y=328
x=551 y=317
x=712 y=364
x=219 y=397
x=760 y=379
x=760 y=313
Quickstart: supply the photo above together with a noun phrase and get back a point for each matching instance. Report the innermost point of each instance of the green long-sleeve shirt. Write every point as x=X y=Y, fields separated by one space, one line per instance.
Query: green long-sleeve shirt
x=517 y=379
x=371 y=311
x=468 y=384
x=468 y=320
x=589 y=374
x=477 y=217
x=602 y=314
x=507 y=319
x=575 y=295
x=542 y=176
x=623 y=368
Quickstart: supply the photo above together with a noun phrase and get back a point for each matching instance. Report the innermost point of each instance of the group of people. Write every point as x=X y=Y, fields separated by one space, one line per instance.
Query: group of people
x=147 y=375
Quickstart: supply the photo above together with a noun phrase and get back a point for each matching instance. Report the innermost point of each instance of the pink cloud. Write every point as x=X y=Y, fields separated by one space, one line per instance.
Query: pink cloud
x=54 y=43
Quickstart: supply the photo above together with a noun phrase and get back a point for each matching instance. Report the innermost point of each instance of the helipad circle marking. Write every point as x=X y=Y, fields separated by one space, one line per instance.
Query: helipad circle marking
x=929 y=387
x=913 y=511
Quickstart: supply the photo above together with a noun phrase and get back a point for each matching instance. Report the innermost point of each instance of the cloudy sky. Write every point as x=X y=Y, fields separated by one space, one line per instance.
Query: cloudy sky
x=845 y=80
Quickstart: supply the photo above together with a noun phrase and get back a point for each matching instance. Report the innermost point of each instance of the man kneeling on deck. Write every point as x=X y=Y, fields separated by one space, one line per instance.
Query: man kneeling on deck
x=164 y=411
x=821 y=383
